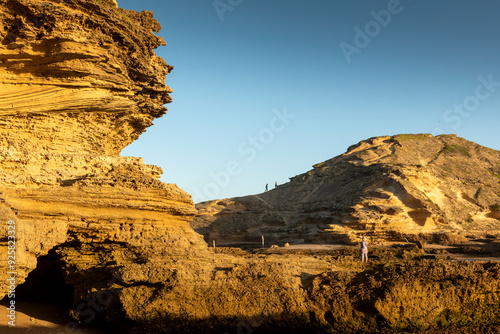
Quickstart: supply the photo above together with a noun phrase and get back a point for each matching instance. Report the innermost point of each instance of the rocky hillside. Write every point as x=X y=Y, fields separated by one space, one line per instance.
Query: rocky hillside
x=387 y=187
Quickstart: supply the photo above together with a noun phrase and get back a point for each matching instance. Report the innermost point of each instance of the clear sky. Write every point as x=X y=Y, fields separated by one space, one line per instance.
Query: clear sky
x=265 y=89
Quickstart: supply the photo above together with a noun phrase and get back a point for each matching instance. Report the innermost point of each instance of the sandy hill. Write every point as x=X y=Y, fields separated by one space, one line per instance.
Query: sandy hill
x=392 y=187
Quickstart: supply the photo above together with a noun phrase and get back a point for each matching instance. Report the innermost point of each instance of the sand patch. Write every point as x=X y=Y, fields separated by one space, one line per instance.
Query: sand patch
x=38 y=317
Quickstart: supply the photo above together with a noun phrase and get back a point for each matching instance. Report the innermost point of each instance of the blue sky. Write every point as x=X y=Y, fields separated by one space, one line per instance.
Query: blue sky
x=265 y=89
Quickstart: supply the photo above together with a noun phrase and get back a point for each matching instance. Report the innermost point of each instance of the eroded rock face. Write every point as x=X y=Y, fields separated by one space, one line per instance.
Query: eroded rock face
x=78 y=76
x=388 y=187
x=80 y=81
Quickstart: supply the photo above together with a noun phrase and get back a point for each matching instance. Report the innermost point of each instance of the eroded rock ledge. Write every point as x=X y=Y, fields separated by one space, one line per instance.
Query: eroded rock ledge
x=78 y=76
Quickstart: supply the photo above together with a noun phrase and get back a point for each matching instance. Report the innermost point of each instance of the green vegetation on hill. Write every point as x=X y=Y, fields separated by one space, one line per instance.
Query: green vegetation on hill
x=453 y=148
x=419 y=136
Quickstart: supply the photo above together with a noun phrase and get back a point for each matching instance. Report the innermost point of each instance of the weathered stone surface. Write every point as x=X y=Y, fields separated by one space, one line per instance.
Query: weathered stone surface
x=78 y=76
x=79 y=82
x=388 y=187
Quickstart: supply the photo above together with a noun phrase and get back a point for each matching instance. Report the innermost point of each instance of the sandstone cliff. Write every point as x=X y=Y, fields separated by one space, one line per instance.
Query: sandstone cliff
x=78 y=76
x=406 y=186
x=79 y=82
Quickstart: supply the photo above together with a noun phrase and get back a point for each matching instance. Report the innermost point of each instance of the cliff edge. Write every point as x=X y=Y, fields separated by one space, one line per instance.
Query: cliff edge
x=80 y=81
x=78 y=76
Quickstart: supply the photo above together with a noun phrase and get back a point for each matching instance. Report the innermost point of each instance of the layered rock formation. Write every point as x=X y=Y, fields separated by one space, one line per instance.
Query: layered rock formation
x=413 y=186
x=79 y=82
x=78 y=76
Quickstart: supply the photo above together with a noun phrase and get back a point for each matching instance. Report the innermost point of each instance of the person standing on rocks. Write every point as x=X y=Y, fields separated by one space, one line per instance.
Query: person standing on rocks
x=364 y=250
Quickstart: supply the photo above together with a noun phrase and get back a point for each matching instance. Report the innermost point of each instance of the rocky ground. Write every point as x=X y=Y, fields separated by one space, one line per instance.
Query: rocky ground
x=404 y=288
x=33 y=317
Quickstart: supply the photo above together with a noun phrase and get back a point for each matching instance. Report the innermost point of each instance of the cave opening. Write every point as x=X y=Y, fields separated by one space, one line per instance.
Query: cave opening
x=46 y=283
x=44 y=298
